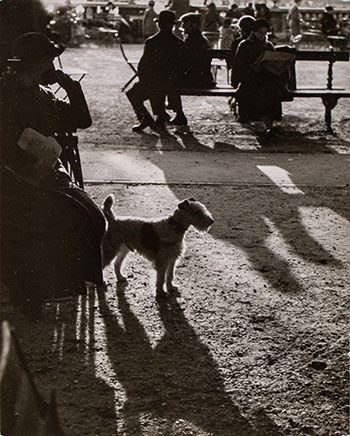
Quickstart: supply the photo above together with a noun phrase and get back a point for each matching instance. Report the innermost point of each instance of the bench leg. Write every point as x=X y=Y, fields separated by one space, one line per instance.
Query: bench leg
x=329 y=103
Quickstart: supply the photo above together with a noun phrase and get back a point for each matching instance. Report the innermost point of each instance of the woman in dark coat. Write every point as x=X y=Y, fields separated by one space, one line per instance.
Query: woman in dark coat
x=50 y=229
x=258 y=96
x=328 y=23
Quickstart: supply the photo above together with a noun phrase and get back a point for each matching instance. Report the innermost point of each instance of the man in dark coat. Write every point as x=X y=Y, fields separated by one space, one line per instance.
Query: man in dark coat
x=199 y=71
x=160 y=70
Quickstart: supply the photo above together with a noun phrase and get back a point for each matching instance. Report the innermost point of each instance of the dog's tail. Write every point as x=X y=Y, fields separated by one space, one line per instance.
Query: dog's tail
x=107 y=207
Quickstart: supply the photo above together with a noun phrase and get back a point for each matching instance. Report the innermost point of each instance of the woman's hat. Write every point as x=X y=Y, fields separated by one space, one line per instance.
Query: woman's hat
x=32 y=47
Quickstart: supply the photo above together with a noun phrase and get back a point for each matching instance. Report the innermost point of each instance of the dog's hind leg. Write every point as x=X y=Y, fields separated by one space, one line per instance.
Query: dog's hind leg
x=122 y=252
x=170 y=272
x=107 y=256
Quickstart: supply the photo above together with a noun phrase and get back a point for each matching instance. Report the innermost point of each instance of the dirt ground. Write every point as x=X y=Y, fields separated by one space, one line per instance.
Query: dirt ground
x=256 y=342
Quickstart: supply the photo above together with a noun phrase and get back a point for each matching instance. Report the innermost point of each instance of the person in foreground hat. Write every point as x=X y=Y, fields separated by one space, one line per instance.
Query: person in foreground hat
x=50 y=229
x=198 y=74
x=259 y=94
x=160 y=71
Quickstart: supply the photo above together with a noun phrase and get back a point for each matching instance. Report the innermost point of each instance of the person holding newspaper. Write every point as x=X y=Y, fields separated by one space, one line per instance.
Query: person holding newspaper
x=50 y=229
x=259 y=92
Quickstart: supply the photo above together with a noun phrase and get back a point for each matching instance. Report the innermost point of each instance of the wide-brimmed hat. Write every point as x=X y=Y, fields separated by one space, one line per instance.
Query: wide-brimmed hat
x=166 y=16
x=31 y=47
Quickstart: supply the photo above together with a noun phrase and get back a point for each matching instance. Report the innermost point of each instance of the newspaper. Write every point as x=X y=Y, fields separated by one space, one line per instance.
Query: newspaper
x=276 y=62
x=47 y=149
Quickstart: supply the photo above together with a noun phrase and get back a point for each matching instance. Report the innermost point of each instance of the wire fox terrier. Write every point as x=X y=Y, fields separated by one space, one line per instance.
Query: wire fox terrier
x=159 y=240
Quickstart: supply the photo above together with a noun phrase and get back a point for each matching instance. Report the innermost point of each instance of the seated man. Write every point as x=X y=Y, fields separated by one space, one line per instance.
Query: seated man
x=51 y=230
x=328 y=23
x=198 y=74
x=246 y=27
x=160 y=70
x=259 y=93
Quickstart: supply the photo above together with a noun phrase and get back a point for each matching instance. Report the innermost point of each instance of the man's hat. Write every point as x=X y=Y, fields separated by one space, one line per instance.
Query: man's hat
x=246 y=22
x=166 y=16
x=191 y=17
x=32 y=47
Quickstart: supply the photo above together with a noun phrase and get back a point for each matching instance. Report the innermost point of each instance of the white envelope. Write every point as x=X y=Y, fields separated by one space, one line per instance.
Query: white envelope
x=46 y=148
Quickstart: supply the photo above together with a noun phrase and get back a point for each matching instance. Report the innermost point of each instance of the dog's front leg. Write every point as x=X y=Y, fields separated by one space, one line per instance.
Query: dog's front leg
x=170 y=272
x=161 y=270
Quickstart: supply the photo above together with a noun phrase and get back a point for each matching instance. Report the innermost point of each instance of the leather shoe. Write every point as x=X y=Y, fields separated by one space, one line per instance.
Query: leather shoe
x=179 y=120
x=161 y=121
x=142 y=125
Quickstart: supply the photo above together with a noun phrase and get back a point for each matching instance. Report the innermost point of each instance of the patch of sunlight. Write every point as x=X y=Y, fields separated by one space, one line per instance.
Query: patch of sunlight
x=58 y=335
x=103 y=367
x=144 y=306
x=328 y=228
x=281 y=178
x=179 y=426
x=140 y=296
x=275 y=241
x=138 y=168
x=82 y=331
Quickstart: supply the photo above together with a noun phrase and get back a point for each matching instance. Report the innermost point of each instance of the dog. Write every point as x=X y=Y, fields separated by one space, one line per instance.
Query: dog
x=161 y=240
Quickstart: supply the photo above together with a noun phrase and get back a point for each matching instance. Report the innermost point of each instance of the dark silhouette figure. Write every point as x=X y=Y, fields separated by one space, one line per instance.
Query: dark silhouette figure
x=51 y=230
x=161 y=68
x=328 y=23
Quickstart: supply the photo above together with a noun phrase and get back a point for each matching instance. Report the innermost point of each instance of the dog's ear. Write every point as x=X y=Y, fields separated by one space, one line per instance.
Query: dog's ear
x=183 y=205
x=192 y=199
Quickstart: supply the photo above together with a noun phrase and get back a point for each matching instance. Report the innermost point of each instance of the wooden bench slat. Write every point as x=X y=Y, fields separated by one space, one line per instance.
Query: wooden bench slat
x=228 y=91
x=301 y=55
x=220 y=91
x=330 y=56
x=320 y=93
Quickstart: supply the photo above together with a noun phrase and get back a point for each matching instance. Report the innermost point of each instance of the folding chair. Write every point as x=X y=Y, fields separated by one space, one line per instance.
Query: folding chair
x=132 y=64
x=70 y=157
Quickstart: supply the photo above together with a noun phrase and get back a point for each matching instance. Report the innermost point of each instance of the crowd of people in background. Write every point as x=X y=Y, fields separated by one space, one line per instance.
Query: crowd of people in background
x=224 y=23
x=170 y=62
x=175 y=58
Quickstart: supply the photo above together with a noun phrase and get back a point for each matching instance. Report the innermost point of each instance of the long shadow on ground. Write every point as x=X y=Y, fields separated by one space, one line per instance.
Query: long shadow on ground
x=64 y=359
x=255 y=214
x=176 y=380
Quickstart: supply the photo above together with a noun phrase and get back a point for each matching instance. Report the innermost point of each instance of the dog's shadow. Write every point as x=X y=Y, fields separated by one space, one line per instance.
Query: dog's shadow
x=177 y=379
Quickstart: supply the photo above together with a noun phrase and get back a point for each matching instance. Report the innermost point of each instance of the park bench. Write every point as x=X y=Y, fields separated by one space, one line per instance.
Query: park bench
x=329 y=95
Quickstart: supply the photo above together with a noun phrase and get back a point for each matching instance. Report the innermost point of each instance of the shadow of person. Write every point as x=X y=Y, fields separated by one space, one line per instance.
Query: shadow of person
x=178 y=380
x=169 y=141
x=191 y=143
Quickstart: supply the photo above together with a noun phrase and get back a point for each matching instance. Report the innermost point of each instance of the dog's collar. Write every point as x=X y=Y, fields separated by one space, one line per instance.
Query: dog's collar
x=176 y=226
